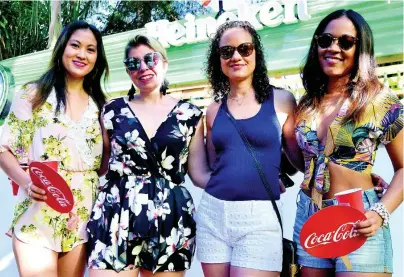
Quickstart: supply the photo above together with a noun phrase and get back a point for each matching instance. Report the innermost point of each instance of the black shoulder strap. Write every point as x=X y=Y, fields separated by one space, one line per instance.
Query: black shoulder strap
x=257 y=164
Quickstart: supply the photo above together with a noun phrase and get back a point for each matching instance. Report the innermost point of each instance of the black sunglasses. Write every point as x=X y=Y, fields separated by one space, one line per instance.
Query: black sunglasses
x=151 y=60
x=345 y=42
x=245 y=49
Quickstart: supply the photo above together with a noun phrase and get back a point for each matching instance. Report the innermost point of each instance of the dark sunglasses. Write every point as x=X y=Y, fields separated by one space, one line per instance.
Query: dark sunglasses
x=245 y=49
x=150 y=59
x=345 y=42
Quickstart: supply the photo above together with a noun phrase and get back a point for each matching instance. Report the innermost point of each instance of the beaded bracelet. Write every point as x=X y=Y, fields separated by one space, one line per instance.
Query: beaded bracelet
x=382 y=211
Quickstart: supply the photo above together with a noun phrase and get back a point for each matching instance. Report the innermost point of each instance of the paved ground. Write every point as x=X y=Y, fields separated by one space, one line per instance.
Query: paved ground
x=383 y=168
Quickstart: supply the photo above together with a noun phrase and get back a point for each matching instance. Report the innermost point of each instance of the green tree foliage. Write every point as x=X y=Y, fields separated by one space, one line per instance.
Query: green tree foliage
x=24 y=25
x=129 y=15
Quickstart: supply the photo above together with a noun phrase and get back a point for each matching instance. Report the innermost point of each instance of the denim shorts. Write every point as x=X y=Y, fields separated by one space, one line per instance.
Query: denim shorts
x=376 y=255
x=243 y=233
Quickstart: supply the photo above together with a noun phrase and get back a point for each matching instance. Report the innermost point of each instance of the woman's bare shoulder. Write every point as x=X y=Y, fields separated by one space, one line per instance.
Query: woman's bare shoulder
x=284 y=101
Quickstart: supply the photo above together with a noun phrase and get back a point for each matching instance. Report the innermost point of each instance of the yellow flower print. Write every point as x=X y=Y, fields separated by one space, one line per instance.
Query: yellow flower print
x=55 y=149
x=78 y=195
x=97 y=161
x=83 y=213
x=19 y=209
x=31 y=229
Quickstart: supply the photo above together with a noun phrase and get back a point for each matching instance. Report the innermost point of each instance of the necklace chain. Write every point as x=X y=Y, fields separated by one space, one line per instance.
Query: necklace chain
x=239 y=100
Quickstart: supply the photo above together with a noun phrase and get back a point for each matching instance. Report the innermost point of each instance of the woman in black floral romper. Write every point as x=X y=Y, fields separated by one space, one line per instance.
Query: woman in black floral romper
x=143 y=218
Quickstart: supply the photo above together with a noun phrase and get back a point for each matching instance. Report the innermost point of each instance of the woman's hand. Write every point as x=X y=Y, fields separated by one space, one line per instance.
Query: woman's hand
x=379 y=184
x=34 y=192
x=370 y=226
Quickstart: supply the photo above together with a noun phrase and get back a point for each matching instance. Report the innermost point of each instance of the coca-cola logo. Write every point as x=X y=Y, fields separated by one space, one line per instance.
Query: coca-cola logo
x=59 y=196
x=343 y=232
x=329 y=233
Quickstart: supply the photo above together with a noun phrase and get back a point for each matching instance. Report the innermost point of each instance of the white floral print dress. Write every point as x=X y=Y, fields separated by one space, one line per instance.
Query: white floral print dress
x=143 y=217
x=77 y=145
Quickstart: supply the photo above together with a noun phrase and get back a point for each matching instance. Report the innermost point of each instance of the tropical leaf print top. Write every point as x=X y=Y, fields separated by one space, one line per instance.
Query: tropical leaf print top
x=353 y=144
x=77 y=145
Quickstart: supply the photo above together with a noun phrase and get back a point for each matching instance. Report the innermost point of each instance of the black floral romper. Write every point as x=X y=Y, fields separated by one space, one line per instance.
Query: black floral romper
x=143 y=217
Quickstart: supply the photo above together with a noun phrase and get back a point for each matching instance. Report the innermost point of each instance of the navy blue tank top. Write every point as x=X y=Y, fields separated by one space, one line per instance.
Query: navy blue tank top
x=234 y=176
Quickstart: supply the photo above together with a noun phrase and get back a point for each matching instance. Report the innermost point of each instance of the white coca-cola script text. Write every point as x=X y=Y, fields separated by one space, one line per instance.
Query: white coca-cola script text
x=343 y=232
x=57 y=193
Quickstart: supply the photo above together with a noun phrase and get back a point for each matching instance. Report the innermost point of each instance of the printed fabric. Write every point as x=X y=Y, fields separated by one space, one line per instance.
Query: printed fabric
x=143 y=216
x=353 y=144
x=40 y=135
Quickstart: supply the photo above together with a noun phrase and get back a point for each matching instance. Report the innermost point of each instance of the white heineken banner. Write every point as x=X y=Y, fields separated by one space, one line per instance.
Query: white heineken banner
x=270 y=14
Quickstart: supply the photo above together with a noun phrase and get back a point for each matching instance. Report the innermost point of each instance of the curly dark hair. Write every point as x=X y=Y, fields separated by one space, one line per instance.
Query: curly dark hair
x=216 y=77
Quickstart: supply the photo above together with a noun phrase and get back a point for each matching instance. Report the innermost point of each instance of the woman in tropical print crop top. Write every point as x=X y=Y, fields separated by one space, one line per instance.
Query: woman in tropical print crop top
x=341 y=120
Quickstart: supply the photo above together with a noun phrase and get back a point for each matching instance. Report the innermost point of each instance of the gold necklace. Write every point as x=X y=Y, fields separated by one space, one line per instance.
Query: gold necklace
x=239 y=100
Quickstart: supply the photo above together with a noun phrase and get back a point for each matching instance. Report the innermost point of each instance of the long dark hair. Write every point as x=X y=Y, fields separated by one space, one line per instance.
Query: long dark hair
x=55 y=76
x=363 y=85
x=213 y=69
x=156 y=46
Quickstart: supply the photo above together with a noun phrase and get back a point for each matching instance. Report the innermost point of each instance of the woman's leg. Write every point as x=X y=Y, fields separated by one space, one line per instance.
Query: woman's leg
x=317 y=272
x=146 y=273
x=72 y=264
x=112 y=273
x=34 y=261
x=363 y=274
x=236 y=271
x=216 y=270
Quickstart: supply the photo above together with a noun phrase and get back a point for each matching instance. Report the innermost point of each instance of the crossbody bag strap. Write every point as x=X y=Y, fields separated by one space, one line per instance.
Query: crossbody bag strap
x=256 y=162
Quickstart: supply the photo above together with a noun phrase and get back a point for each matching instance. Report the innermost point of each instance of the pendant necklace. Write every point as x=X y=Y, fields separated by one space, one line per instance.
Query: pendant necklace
x=239 y=100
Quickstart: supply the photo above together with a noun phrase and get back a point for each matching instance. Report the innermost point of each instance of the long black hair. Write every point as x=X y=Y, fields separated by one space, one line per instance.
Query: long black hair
x=363 y=85
x=219 y=81
x=55 y=76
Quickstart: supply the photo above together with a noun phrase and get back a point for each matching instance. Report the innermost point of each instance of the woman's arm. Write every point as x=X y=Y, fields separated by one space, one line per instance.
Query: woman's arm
x=197 y=162
x=394 y=193
x=10 y=166
x=285 y=103
x=16 y=141
x=210 y=118
x=106 y=151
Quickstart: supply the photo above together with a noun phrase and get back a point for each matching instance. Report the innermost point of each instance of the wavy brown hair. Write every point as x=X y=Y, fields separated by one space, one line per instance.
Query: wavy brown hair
x=55 y=76
x=363 y=85
x=219 y=81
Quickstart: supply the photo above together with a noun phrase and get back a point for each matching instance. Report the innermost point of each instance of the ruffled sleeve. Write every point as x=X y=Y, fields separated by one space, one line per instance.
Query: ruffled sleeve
x=18 y=129
x=390 y=111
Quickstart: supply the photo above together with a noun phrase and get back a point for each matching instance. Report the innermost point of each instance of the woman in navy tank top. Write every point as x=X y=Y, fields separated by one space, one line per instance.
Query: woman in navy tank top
x=238 y=231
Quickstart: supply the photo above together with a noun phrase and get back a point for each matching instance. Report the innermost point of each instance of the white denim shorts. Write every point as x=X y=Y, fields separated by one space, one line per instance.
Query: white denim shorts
x=243 y=233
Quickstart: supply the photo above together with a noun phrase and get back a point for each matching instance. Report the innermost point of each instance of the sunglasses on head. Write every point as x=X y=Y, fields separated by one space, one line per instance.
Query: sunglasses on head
x=150 y=59
x=245 y=49
x=345 y=42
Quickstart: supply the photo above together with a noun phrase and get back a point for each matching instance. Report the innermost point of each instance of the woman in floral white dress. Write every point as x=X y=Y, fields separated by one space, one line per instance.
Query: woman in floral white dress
x=44 y=125
x=143 y=220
